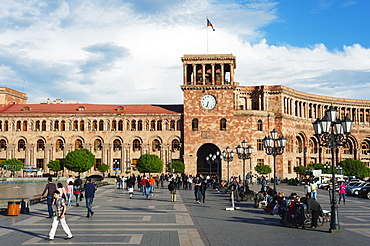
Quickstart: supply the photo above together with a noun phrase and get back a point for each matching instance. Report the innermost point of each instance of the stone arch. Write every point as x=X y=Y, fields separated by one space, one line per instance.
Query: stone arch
x=202 y=166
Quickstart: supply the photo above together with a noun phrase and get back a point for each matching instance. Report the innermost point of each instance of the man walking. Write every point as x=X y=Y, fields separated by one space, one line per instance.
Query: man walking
x=89 y=195
x=61 y=208
x=314 y=188
x=49 y=189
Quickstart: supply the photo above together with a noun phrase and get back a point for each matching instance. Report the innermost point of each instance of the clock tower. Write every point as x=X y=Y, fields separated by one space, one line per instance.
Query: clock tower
x=209 y=105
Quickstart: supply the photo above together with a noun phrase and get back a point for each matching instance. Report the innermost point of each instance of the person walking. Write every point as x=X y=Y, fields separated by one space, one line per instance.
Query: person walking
x=307 y=190
x=151 y=187
x=69 y=189
x=342 y=192
x=190 y=181
x=77 y=189
x=203 y=188
x=89 y=196
x=130 y=191
x=197 y=185
x=162 y=178
x=49 y=189
x=172 y=187
x=314 y=188
x=61 y=209
x=62 y=191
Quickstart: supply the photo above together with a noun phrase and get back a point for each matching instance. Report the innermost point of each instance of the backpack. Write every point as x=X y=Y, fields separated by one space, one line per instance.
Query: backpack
x=171 y=187
x=147 y=184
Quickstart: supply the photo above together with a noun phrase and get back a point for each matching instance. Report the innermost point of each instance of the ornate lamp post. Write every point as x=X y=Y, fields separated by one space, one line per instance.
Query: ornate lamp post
x=244 y=153
x=274 y=146
x=326 y=166
x=228 y=156
x=332 y=132
x=211 y=159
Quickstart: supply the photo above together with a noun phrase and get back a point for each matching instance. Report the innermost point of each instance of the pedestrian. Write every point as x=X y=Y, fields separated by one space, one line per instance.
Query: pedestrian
x=118 y=182
x=264 y=183
x=162 y=178
x=49 y=189
x=315 y=209
x=331 y=190
x=307 y=190
x=130 y=191
x=157 y=180
x=314 y=188
x=69 y=192
x=172 y=187
x=203 y=188
x=60 y=208
x=62 y=191
x=77 y=189
x=143 y=184
x=89 y=196
x=190 y=181
x=342 y=192
x=197 y=193
x=69 y=180
x=151 y=183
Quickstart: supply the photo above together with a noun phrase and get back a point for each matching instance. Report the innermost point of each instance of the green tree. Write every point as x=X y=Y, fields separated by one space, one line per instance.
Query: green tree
x=149 y=163
x=300 y=170
x=103 y=168
x=177 y=166
x=80 y=160
x=356 y=168
x=263 y=169
x=12 y=165
x=54 y=166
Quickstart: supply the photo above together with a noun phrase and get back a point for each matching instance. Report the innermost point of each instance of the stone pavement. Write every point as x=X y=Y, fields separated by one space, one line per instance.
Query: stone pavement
x=119 y=220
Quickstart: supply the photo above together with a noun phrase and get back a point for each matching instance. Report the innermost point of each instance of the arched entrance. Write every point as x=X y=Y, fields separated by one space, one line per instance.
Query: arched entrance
x=204 y=167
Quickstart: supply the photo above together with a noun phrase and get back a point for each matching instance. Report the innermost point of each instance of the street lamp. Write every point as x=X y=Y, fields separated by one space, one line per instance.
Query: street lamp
x=339 y=170
x=228 y=156
x=332 y=132
x=274 y=146
x=244 y=153
x=326 y=166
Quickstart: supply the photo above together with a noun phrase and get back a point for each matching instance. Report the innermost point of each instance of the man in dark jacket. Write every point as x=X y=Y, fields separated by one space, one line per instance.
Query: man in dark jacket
x=314 y=207
x=89 y=195
x=49 y=189
x=203 y=188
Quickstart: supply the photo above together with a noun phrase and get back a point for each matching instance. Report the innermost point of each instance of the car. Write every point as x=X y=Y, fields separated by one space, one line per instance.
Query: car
x=96 y=177
x=365 y=191
x=355 y=189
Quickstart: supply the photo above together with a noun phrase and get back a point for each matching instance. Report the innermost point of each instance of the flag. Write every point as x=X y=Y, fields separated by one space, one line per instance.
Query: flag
x=210 y=24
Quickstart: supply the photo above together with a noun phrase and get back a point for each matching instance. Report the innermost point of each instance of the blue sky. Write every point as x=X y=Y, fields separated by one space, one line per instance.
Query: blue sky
x=128 y=51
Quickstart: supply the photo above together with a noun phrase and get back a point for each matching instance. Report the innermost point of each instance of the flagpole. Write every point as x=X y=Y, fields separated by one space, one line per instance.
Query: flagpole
x=207 y=33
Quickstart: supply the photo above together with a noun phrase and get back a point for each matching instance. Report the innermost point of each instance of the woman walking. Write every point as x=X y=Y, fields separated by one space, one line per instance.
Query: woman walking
x=69 y=192
x=342 y=192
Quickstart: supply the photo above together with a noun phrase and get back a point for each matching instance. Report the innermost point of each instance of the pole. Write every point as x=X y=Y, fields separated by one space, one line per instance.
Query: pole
x=274 y=172
x=228 y=170
x=334 y=222
x=243 y=174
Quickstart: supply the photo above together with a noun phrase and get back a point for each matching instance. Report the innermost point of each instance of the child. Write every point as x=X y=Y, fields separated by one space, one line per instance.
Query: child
x=59 y=216
x=130 y=191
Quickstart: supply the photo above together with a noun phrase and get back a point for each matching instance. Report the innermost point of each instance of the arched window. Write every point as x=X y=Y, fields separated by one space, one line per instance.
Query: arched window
x=136 y=146
x=364 y=148
x=172 y=125
x=223 y=124
x=152 y=125
x=194 y=124
x=24 y=126
x=259 y=125
x=2 y=144
x=179 y=125
x=94 y=126
x=140 y=125
x=56 y=125
x=62 y=125
x=101 y=125
x=117 y=144
x=37 y=125
x=120 y=125
x=114 y=125
x=133 y=125
x=159 y=125
x=6 y=126
x=175 y=145
x=156 y=145
x=40 y=145
x=97 y=144
x=75 y=125
x=18 y=125
x=78 y=144
x=59 y=145
x=43 y=125
x=21 y=145
x=82 y=125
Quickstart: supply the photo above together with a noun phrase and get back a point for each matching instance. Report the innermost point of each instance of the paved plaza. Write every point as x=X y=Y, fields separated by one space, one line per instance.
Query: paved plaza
x=119 y=220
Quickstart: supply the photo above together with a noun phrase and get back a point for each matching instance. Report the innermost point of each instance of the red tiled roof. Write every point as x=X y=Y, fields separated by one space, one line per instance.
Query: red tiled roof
x=89 y=109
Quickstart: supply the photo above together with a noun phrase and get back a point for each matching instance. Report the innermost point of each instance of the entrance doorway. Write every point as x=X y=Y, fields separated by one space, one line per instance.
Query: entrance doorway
x=211 y=168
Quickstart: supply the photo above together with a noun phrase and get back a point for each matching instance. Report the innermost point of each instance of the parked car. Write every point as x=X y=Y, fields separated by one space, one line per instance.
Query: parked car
x=365 y=191
x=355 y=189
x=96 y=177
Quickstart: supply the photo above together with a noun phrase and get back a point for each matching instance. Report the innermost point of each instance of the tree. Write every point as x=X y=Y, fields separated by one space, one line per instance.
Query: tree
x=356 y=168
x=263 y=169
x=300 y=170
x=177 y=166
x=103 y=168
x=13 y=165
x=149 y=163
x=54 y=166
x=80 y=160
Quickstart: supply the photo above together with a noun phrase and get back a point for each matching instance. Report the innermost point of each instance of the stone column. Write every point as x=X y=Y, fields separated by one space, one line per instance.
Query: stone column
x=213 y=74
x=222 y=74
x=184 y=66
x=231 y=73
x=194 y=74
x=203 y=74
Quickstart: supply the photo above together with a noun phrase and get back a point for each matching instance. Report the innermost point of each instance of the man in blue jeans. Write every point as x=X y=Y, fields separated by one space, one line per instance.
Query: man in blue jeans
x=49 y=188
x=89 y=195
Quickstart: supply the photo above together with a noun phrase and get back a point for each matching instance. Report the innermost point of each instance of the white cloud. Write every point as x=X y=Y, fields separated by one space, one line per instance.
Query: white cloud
x=124 y=52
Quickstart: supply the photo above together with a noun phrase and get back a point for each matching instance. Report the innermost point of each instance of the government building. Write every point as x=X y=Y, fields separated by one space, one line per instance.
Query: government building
x=217 y=113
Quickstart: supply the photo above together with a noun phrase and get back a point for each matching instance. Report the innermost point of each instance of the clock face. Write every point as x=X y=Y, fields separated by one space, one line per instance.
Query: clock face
x=208 y=102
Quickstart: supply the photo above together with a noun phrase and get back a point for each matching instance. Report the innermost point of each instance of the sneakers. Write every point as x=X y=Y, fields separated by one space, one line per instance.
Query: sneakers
x=49 y=239
x=68 y=238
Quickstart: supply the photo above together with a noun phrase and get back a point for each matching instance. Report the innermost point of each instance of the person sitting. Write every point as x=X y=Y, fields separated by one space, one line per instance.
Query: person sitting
x=260 y=197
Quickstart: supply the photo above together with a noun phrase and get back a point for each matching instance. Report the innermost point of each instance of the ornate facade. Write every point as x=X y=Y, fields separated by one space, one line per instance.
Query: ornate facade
x=217 y=113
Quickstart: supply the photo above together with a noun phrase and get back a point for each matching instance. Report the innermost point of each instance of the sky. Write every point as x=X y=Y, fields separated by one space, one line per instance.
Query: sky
x=129 y=51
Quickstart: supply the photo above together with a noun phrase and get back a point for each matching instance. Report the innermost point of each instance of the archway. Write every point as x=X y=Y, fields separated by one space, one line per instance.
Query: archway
x=203 y=167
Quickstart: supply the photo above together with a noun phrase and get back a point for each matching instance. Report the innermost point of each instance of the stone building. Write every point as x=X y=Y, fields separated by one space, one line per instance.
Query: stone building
x=217 y=113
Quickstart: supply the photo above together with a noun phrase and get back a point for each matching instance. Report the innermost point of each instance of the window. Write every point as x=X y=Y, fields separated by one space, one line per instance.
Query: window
x=2 y=144
x=24 y=126
x=152 y=125
x=101 y=125
x=97 y=144
x=194 y=124
x=117 y=144
x=159 y=125
x=140 y=125
x=94 y=126
x=175 y=145
x=136 y=146
x=78 y=144
x=26 y=109
x=56 y=125
x=82 y=125
x=21 y=145
x=59 y=145
x=40 y=163
x=75 y=125
x=172 y=125
x=259 y=125
x=259 y=144
x=156 y=145
x=223 y=124
x=18 y=125
x=364 y=148
x=6 y=126
x=120 y=125
x=179 y=125
x=133 y=125
x=62 y=125
x=37 y=125
x=43 y=125
x=260 y=161
x=40 y=145
x=81 y=108
x=98 y=162
x=114 y=125
x=289 y=166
